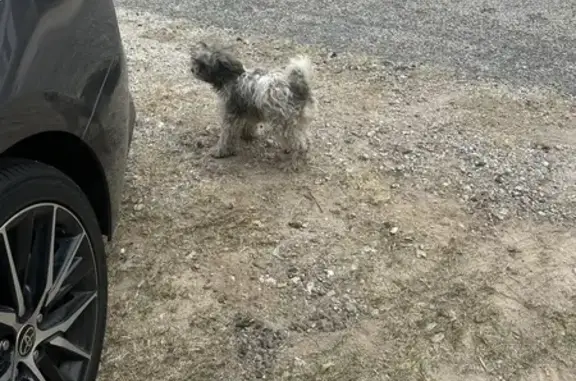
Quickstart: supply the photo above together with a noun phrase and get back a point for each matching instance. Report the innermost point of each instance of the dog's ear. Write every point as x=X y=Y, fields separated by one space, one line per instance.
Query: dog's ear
x=231 y=64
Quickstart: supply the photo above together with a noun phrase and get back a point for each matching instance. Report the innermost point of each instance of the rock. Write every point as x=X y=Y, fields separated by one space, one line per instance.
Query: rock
x=327 y=366
x=309 y=287
x=420 y=253
x=296 y=224
x=138 y=207
x=329 y=273
x=437 y=337
x=351 y=308
x=430 y=326
x=267 y=279
x=364 y=157
x=394 y=230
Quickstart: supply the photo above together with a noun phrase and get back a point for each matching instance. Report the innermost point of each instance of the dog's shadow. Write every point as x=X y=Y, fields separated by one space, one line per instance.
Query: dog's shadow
x=258 y=154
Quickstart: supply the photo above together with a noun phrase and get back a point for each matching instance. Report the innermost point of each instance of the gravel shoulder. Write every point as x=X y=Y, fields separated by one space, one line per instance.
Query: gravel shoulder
x=430 y=238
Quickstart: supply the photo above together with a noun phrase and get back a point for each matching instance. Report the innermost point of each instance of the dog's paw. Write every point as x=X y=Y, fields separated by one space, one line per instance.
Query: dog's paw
x=220 y=153
x=292 y=161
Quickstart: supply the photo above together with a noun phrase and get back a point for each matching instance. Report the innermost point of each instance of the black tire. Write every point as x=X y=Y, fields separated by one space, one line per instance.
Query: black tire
x=25 y=183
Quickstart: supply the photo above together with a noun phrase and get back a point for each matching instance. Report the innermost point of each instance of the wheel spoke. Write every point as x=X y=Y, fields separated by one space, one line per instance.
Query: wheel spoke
x=22 y=238
x=65 y=345
x=69 y=248
x=49 y=368
x=8 y=318
x=50 y=260
x=16 y=285
x=29 y=362
x=78 y=270
x=62 y=318
x=8 y=375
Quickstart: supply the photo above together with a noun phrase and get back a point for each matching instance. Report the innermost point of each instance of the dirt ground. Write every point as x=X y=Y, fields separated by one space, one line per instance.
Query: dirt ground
x=430 y=237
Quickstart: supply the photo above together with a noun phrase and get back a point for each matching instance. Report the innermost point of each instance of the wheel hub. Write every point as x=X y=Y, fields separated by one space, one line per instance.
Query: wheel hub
x=47 y=284
x=26 y=340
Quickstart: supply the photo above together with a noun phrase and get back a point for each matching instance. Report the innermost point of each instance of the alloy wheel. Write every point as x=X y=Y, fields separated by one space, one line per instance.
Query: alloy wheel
x=48 y=293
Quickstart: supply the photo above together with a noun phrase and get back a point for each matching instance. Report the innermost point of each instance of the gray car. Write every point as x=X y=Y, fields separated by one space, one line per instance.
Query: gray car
x=66 y=121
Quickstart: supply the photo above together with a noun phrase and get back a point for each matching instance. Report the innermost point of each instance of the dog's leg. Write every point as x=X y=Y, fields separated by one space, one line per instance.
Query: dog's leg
x=249 y=130
x=229 y=136
x=294 y=143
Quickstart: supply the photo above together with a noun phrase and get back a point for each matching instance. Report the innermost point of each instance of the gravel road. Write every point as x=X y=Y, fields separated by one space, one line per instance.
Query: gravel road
x=525 y=42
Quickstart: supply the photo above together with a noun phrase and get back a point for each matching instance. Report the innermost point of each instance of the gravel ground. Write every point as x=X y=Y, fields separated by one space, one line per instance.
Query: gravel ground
x=430 y=237
x=521 y=41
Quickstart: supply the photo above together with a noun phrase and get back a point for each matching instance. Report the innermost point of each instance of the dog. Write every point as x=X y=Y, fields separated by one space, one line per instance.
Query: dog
x=281 y=98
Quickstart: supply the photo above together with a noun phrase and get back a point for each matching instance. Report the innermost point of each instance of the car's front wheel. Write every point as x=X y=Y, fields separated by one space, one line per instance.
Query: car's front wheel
x=53 y=288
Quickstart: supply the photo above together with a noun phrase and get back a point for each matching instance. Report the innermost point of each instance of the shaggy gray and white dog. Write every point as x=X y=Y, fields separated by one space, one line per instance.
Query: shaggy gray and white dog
x=281 y=98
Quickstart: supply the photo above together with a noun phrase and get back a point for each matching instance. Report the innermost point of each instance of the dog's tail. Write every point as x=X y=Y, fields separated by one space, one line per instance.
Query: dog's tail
x=299 y=74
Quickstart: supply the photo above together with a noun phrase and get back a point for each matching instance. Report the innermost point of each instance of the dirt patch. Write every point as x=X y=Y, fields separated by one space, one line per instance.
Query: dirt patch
x=429 y=238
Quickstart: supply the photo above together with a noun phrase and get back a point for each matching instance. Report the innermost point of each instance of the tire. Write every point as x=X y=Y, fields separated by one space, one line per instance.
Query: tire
x=32 y=197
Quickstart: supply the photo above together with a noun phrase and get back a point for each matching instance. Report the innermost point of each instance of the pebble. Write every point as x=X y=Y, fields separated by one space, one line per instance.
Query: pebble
x=351 y=308
x=394 y=230
x=437 y=337
x=364 y=157
x=267 y=279
x=327 y=366
x=420 y=253
x=296 y=224
x=138 y=207
x=309 y=287
x=431 y=326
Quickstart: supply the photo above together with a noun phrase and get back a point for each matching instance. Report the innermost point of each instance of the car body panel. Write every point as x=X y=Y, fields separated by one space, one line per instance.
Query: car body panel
x=62 y=68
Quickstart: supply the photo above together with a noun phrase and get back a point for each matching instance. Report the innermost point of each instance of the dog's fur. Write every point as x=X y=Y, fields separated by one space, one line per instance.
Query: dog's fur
x=282 y=98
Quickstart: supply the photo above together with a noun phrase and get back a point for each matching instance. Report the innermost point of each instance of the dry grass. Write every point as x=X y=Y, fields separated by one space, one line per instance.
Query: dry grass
x=370 y=264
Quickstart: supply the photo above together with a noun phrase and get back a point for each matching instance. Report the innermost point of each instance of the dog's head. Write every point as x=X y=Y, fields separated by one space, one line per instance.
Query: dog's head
x=215 y=65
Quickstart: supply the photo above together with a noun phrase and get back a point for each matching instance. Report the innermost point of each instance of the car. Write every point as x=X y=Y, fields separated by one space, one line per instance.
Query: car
x=66 y=123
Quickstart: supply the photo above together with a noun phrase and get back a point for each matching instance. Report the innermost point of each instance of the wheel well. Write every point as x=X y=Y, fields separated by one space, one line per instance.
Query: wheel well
x=72 y=156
